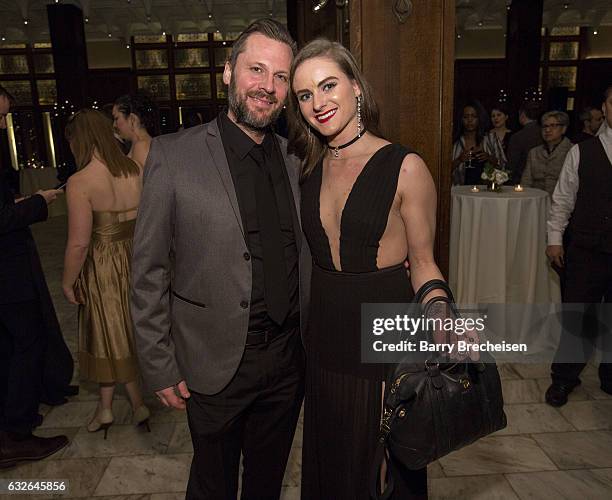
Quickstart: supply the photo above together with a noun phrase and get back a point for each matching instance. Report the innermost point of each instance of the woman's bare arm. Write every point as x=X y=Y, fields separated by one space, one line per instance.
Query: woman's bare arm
x=418 y=211
x=79 y=233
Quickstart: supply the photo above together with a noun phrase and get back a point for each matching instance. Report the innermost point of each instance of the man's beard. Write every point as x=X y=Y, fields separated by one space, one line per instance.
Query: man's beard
x=244 y=116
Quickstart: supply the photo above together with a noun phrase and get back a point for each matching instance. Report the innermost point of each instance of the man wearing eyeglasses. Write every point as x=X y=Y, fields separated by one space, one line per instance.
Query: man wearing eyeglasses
x=582 y=207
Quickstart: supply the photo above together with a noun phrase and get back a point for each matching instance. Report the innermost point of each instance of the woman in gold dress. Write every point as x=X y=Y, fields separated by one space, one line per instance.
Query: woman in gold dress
x=103 y=197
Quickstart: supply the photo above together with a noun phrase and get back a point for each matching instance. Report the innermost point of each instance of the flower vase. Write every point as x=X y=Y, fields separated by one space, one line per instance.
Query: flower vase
x=494 y=187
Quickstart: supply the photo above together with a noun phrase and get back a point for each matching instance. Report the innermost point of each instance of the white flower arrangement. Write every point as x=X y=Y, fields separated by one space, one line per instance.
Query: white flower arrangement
x=494 y=175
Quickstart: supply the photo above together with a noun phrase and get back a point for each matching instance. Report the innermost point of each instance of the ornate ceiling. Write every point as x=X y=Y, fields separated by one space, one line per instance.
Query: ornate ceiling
x=491 y=14
x=124 y=18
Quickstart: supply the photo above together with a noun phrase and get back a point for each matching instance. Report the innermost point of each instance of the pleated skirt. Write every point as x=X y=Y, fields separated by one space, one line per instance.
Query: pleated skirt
x=343 y=399
x=107 y=353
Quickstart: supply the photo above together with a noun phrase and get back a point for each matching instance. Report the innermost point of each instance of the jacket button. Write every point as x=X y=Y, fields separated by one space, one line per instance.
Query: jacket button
x=244 y=304
x=247 y=256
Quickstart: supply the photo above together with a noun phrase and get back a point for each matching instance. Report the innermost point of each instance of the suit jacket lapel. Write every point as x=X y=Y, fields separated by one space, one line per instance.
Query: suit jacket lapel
x=215 y=145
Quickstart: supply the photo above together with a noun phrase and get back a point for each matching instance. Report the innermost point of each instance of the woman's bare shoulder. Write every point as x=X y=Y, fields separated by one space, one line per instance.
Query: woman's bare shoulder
x=414 y=174
x=82 y=176
x=140 y=151
x=378 y=143
x=413 y=162
x=90 y=177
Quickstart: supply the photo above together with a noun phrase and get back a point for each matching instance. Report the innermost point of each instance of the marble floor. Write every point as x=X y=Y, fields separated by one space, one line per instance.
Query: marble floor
x=543 y=453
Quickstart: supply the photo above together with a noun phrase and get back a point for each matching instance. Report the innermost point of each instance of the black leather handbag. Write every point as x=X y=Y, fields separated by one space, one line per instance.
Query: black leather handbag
x=434 y=408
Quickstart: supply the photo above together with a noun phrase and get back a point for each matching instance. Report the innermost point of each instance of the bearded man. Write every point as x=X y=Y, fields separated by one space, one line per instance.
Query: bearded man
x=220 y=277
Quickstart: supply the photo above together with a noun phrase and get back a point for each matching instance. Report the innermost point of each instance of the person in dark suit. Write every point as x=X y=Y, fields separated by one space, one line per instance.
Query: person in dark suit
x=590 y=120
x=580 y=243
x=221 y=275
x=23 y=336
x=525 y=139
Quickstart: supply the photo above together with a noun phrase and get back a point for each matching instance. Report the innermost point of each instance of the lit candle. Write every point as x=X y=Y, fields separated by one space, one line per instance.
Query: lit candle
x=518 y=187
x=475 y=189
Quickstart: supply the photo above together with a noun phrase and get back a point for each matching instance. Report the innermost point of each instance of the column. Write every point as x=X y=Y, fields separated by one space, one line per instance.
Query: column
x=523 y=41
x=407 y=51
x=71 y=73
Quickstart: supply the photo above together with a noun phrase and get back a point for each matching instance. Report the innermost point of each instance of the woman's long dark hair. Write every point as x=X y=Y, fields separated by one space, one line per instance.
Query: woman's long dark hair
x=483 y=121
x=143 y=107
x=305 y=141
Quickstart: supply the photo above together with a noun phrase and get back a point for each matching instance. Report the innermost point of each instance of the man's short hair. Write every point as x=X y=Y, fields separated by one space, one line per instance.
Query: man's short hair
x=585 y=114
x=267 y=27
x=531 y=109
x=7 y=94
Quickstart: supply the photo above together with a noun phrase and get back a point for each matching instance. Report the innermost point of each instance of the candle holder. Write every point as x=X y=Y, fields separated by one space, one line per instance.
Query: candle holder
x=518 y=188
x=475 y=189
x=494 y=187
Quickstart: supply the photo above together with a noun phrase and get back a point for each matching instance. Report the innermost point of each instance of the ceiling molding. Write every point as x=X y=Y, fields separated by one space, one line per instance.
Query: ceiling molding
x=124 y=18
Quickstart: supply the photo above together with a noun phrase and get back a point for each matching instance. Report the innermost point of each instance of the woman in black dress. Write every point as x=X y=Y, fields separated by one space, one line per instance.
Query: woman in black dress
x=367 y=205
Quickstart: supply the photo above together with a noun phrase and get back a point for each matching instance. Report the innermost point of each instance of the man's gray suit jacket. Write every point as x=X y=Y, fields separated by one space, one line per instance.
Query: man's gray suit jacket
x=191 y=274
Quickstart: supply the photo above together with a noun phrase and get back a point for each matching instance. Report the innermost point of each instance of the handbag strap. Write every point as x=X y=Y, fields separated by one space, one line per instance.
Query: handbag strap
x=428 y=286
x=379 y=457
x=379 y=453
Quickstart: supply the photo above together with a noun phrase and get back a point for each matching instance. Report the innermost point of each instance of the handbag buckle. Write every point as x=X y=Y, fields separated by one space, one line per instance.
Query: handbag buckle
x=465 y=382
x=385 y=425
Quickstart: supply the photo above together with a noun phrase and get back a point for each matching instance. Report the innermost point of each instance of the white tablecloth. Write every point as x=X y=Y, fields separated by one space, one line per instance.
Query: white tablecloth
x=33 y=179
x=497 y=247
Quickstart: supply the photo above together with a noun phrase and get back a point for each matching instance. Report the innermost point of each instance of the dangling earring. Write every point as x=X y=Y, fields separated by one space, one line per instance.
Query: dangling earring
x=309 y=134
x=359 y=124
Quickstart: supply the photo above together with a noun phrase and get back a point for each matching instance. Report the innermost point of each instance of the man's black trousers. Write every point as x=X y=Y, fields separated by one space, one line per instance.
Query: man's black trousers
x=256 y=416
x=22 y=346
x=588 y=281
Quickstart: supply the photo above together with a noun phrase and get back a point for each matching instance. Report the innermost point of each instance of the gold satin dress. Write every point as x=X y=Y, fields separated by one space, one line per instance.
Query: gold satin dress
x=107 y=352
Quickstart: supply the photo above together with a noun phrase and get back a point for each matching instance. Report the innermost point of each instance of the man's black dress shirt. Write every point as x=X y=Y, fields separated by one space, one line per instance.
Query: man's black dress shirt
x=244 y=169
